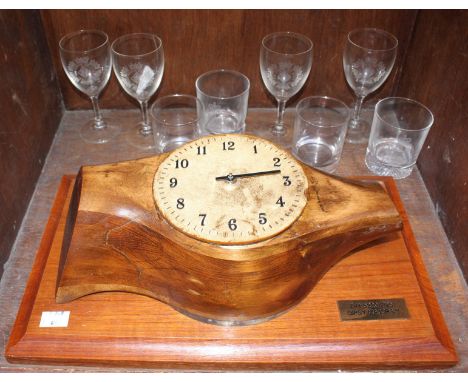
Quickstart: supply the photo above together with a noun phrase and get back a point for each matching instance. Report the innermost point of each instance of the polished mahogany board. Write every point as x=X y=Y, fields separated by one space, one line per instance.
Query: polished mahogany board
x=125 y=329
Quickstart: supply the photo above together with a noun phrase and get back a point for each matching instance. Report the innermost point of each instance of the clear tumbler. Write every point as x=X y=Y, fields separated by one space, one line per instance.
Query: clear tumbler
x=224 y=95
x=399 y=129
x=175 y=120
x=319 y=132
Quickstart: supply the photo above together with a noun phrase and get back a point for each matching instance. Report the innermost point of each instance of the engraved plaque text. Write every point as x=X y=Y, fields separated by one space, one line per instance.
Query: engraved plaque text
x=385 y=309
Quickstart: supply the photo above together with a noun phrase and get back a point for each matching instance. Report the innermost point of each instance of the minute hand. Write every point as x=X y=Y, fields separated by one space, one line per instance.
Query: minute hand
x=231 y=177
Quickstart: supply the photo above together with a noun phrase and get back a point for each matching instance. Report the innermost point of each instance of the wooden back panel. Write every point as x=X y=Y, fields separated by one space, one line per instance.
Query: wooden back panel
x=196 y=41
x=436 y=74
x=30 y=109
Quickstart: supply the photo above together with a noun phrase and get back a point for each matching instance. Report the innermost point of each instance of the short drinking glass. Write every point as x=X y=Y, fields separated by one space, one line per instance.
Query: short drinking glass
x=86 y=59
x=224 y=95
x=319 y=132
x=399 y=129
x=138 y=61
x=175 y=120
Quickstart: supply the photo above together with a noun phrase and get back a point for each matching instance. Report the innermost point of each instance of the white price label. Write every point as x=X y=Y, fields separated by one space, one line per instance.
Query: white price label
x=54 y=319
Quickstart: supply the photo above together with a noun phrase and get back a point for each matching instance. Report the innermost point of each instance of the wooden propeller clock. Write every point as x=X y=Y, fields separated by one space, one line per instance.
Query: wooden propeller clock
x=227 y=229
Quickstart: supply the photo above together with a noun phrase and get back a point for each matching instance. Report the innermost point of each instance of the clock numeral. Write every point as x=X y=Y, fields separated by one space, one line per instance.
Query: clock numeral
x=203 y=217
x=262 y=218
x=255 y=149
x=201 y=150
x=280 y=202
x=180 y=203
x=182 y=163
x=172 y=182
x=228 y=145
x=232 y=224
x=287 y=181
x=277 y=162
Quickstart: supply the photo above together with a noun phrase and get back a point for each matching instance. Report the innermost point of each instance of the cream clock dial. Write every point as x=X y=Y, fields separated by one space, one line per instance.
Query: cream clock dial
x=230 y=189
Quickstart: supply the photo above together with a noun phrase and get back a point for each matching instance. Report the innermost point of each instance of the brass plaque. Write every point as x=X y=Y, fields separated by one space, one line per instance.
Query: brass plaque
x=387 y=309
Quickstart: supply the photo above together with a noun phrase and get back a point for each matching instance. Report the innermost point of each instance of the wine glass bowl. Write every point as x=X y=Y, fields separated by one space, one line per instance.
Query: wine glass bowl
x=368 y=60
x=86 y=60
x=138 y=61
x=285 y=64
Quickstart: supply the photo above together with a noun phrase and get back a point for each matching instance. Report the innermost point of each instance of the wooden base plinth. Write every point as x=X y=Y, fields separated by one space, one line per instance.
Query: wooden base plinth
x=124 y=329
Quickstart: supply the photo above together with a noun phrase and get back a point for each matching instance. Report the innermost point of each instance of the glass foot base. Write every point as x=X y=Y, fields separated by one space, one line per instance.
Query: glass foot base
x=90 y=134
x=282 y=138
x=358 y=131
x=141 y=138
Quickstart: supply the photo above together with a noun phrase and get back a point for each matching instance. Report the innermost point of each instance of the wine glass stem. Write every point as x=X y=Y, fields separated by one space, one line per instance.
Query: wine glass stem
x=279 y=126
x=145 y=127
x=98 y=120
x=357 y=111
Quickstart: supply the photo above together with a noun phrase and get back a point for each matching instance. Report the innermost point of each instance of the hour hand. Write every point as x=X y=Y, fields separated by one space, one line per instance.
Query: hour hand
x=230 y=177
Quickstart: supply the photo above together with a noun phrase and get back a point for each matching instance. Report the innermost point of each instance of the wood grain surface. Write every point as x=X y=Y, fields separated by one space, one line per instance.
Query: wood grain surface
x=196 y=41
x=440 y=81
x=31 y=109
x=118 y=329
x=116 y=240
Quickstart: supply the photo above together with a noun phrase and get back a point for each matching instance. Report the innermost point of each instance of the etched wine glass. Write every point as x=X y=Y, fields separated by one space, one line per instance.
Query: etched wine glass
x=86 y=59
x=285 y=63
x=368 y=59
x=138 y=60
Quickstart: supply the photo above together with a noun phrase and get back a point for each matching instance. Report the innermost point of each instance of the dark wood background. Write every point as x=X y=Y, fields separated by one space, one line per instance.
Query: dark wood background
x=436 y=74
x=30 y=110
x=196 y=41
x=431 y=67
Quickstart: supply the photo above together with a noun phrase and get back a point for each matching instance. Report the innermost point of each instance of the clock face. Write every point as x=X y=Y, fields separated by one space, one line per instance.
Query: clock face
x=230 y=189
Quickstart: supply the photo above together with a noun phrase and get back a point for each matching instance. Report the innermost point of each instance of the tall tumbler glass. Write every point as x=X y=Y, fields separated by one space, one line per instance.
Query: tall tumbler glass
x=224 y=95
x=368 y=59
x=399 y=129
x=138 y=61
x=86 y=59
x=319 y=131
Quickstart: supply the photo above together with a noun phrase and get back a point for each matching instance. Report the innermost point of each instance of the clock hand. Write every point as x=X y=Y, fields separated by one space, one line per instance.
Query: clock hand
x=231 y=177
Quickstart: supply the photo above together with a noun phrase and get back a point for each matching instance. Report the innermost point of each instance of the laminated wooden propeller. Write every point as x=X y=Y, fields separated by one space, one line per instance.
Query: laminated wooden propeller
x=227 y=229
